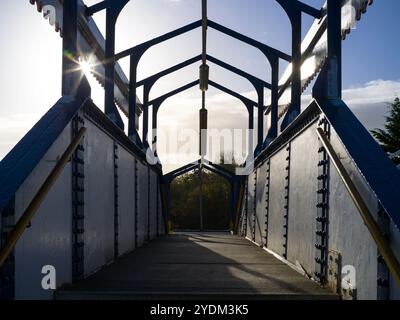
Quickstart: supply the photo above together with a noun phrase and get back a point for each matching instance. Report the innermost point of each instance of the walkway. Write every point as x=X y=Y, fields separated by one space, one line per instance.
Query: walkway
x=197 y=265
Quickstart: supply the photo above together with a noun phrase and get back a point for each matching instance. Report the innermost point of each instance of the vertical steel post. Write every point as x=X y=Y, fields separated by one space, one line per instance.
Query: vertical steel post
x=168 y=204
x=201 y=196
x=250 y=110
x=145 y=129
x=109 y=64
x=296 y=65
x=260 y=127
x=334 y=49
x=154 y=127
x=329 y=83
x=273 y=131
x=133 y=118
x=71 y=72
x=232 y=201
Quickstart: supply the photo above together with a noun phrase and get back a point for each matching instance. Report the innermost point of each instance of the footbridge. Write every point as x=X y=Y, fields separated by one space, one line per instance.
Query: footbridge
x=313 y=211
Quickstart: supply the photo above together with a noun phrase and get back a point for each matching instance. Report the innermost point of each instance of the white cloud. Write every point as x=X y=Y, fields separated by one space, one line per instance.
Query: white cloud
x=373 y=92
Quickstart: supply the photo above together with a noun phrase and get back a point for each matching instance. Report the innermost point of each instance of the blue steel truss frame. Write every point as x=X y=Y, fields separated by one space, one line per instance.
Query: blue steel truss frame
x=293 y=9
x=328 y=85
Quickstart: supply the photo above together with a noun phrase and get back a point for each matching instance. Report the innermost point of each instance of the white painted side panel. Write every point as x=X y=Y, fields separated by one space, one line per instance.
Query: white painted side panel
x=349 y=236
x=250 y=205
x=160 y=213
x=303 y=199
x=126 y=201
x=48 y=240
x=277 y=203
x=260 y=204
x=153 y=204
x=99 y=199
x=142 y=206
x=395 y=243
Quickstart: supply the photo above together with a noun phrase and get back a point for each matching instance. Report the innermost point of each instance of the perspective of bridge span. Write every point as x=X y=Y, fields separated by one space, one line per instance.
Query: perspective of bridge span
x=85 y=206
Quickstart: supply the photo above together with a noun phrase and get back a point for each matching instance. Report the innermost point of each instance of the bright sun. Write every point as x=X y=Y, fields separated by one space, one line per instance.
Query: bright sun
x=86 y=65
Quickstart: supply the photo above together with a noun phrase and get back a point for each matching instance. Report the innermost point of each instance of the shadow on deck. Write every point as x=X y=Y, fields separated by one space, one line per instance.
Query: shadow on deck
x=197 y=266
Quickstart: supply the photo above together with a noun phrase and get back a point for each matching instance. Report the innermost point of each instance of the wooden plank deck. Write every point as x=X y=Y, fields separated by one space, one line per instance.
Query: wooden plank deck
x=197 y=265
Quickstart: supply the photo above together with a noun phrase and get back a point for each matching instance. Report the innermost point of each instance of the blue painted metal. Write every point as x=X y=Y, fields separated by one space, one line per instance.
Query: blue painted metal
x=137 y=52
x=382 y=175
x=294 y=10
x=258 y=84
x=154 y=78
x=249 y=104
x=329 y=82
x=268 y=51
x=254 y=80
x=113 y=9
x=97 y=7
x=143 y=47
x=70 y=66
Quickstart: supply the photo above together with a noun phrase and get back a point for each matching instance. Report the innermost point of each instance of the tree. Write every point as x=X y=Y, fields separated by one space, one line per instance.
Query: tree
x=389 y=138
x=185 y=200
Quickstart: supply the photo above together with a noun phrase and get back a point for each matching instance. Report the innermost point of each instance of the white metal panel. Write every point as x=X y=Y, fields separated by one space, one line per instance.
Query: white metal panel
x=250 y=205
x=153 y=204
x=347 y=231
x=99 y=199
x=395 y=243
x=161 y=227
x=126 y=201
x=276 y=213
x=303 y=199
x=142 y=214
x=350 y=237
x=48 y=240
x=260 y=204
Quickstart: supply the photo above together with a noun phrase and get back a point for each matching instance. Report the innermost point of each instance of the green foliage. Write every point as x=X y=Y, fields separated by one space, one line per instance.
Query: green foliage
x=389 y=138
x=185 y=201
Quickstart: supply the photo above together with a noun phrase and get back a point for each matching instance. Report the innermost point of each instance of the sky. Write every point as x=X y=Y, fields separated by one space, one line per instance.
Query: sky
x=30 y=60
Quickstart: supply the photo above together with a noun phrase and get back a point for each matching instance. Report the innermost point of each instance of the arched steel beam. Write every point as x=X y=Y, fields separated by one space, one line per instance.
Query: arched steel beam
x=221 y=168
x=271 y=54
x=246 y=101
x=254 y=80
x=229 y=177
x=149 y=82
x=273 y=57
x=294 y=10
x=155 y=77
x=113 y=9
x=169 y=177
x=329 y=81
x=135 y=54
x=157 y=103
